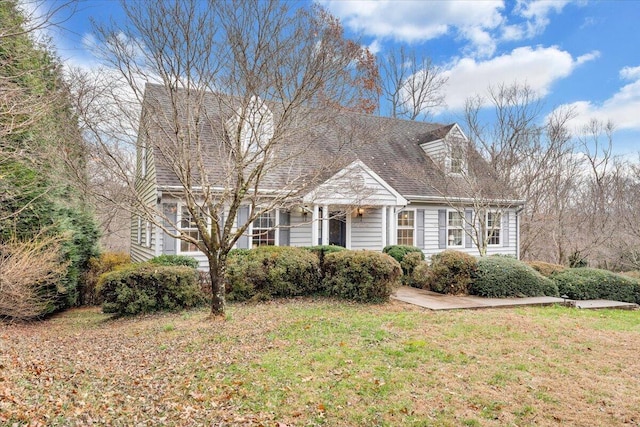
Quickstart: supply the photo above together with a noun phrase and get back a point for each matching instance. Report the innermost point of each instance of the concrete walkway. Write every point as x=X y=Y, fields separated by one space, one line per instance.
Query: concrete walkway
x=435 y=301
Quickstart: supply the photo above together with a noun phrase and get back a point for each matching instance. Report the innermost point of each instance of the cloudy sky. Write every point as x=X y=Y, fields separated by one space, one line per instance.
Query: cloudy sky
x=579 y=53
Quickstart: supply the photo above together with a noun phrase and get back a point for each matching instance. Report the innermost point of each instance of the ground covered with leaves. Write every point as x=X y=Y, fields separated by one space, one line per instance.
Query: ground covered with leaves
x=320 y=362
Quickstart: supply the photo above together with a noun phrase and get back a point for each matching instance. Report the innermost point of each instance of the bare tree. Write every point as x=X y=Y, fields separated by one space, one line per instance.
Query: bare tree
x=243 y=89
x=411 y=86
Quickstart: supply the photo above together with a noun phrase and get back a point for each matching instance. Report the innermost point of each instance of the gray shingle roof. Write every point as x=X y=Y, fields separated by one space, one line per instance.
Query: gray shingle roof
x=390 y=147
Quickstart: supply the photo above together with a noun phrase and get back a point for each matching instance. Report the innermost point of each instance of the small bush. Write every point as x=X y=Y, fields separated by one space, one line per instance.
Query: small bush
x=363 y=276
x=272 y=271
x=508 y=277
x=321 y=250
x=398 y=252
x=545 y=268
x=419 y=277
x=175 y=260
x=144 y=288
x=451 y=272
x=409 y=264
x=99 y=265
x=592 y=283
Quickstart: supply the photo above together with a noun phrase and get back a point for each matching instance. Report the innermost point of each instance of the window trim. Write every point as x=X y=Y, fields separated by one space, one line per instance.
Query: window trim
x=179 y=250
x=148 y=233
x=449 y=227
x=139 y=231
x=143 y=160
x=462 y=159
x=276 y=237
x=407 y=227
x=498 y=229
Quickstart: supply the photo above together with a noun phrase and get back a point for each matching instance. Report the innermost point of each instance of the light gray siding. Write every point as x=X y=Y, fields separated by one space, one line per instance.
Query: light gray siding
x=366 y=231
x=300 y=234
x=147 y=191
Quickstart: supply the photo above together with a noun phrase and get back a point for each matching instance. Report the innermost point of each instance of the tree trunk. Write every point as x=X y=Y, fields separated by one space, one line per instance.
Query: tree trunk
x=218 y=274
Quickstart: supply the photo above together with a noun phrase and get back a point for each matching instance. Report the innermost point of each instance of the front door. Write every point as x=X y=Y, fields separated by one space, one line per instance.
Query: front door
x=338 y=229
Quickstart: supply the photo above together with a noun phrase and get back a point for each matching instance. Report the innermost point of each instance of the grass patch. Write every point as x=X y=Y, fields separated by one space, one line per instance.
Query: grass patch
x=323 y=362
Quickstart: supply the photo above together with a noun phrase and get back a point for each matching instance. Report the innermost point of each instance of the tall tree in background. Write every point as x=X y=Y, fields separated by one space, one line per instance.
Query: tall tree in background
x=41 y=171
x=259 y=77
x=412 y=86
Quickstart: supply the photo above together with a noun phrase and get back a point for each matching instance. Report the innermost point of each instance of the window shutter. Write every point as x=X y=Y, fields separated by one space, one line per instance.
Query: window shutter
x=505 y=229
x=284 y=231
x=420 y=228
x=242 y=217
x=170 y=210
x=468 y=228
x=442 y=228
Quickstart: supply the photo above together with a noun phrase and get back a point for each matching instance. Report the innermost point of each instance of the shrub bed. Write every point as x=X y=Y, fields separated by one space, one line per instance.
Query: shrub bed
x=591 y=283
x=106 y=262
x=508 y=277
x=451 y=272
x=168 y=260
x=272 y=271
x=363 y=276
x=398 y=252
x=144 y=288
x=547 y=269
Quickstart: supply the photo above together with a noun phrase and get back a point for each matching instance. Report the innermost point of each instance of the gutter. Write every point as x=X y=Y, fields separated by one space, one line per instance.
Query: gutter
x=512 y=202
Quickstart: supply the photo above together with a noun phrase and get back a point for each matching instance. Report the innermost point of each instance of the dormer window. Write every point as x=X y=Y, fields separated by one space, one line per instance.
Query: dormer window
x=457 y=163
x=255 y=122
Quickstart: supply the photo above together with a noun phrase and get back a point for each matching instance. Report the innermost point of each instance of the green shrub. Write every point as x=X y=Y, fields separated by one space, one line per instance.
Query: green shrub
x=363 y=276
x=144 y=288
x=321 y=250
x=591 y=283
x=451 y=272
x=419 y=277
x=508 y=277
x=272 y=271
x=106 y=262
x=409 y=264
x=545 y=268
x=175 y=260
x=398 y=252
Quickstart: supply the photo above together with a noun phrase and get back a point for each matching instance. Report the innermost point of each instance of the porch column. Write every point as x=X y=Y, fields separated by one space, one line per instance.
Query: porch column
x=392 y=226
x=325 y=224
x=314 y=226
x=383 y=212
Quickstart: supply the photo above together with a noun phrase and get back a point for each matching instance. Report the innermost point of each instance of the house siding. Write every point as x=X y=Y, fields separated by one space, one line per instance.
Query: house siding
x=300 y=234
x=366 y=231
x=432 y=238
x=147 y=189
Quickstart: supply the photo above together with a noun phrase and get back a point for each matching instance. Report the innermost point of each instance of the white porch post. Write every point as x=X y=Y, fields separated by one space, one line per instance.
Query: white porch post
x=347 y=243
x=392 y=226
x=314 y=226
x=383 y=212
x=325 y=224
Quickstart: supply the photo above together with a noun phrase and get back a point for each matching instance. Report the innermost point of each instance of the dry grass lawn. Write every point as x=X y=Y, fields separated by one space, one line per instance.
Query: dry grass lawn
x=321 y=362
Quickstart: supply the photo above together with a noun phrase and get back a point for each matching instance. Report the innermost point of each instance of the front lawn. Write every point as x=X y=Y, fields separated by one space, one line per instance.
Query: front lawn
x=305 y=362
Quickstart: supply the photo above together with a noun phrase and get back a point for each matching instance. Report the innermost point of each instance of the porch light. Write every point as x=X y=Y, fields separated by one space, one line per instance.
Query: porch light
x=360 y=212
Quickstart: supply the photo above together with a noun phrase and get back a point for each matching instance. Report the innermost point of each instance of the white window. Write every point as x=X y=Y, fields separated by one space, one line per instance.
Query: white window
x=457 y=163
x=406 y=227
x=494 y=226
x=263 y=230
x=188 y=226
x=147 y=233
x=455 y=229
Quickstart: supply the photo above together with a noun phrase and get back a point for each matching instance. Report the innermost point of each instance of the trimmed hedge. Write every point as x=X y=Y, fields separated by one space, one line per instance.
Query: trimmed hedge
x=363 y=276
x=175 y=260
x=145 y=288
x=321 y=250
x=545 y=268
x=272 y=271
x=451 y=272
x=409 y=263
x=508 y=277
x=398 y=252
x=591 y=283
x=419 y=277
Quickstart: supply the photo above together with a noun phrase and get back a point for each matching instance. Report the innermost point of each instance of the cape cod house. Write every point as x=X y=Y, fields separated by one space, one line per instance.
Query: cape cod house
x=401 y=182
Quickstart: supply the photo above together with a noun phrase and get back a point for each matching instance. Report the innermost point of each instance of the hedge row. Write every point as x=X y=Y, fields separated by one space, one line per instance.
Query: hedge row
x=499 y=276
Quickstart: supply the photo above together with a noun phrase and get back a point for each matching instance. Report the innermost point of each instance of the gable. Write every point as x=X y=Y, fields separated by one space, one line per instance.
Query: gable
x=355 y=185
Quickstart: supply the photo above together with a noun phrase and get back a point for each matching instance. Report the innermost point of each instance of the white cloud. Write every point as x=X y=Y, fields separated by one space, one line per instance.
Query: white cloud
x=538 y=67
x=630 y=73
x=621 y=108
x=412 y=21
x=536 y=14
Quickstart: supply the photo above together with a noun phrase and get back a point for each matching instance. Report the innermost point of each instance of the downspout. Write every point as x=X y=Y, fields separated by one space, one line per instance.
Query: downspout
x=518 y=232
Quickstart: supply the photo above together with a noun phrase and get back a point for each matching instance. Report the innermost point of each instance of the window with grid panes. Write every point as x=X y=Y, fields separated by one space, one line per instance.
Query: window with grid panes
x=264 y=233
x=494 y=224
x=406 y=224
x=455 y=229
x=188 y=227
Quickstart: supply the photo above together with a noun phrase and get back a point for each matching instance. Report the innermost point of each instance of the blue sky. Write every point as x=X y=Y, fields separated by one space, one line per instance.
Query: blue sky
x=579 y=53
